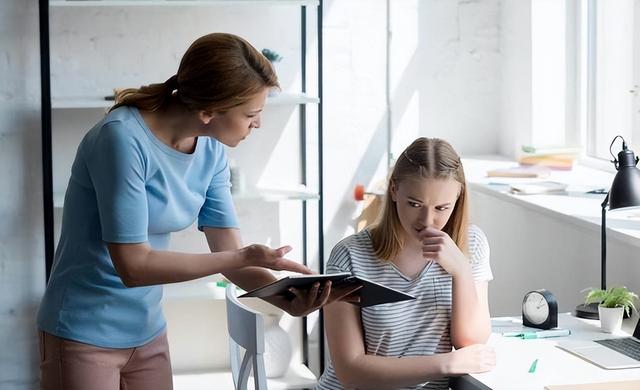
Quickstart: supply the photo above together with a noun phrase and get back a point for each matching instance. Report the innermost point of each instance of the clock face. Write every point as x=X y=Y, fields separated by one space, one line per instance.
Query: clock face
x=535 y=308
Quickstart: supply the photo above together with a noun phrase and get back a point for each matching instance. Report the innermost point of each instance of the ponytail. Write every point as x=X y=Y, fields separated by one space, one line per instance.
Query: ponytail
x=219 y=71
x=150 y=97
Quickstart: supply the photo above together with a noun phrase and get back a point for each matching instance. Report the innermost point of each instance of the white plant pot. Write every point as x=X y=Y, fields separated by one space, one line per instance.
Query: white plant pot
x=277 y=347
x=610 y=318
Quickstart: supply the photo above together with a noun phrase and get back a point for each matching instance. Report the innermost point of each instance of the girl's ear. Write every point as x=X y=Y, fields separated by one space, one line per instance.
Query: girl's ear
x=205 y=117
x=393 y=190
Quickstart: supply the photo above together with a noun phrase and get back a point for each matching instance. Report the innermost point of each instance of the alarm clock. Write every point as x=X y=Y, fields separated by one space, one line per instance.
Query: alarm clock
x=540 y=309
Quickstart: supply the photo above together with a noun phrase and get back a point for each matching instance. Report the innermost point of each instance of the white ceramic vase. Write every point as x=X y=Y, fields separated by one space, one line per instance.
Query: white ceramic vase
x=610 y=318
x=277 y=347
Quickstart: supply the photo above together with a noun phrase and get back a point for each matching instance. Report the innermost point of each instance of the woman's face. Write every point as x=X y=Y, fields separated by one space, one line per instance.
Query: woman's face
x=424 y=203
x=235 y=124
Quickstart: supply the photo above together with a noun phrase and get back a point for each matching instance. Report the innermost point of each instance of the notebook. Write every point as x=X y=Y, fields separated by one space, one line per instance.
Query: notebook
x=611 y=354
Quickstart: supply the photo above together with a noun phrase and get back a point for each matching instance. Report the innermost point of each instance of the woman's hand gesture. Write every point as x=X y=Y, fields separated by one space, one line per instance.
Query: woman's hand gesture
x=262 y=256
x=304 y=301
x=438 y=246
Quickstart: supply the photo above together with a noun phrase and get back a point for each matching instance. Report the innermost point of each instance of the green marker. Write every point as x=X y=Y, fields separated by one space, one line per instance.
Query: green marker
x=532 y=369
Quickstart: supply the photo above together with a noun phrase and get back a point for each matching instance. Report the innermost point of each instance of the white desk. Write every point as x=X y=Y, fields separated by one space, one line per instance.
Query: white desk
x=554 y=367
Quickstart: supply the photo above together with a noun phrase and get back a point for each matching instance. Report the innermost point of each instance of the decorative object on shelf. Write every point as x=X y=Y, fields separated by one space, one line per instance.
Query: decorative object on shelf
x=612 y=303
x=277 y=347
x=540 y=309
x=624 y=194
x=273 y=57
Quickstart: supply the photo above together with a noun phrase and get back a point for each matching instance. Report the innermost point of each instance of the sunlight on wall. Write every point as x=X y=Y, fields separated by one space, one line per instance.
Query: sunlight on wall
x=548 y=78
x=408 y=128
x=614 y=74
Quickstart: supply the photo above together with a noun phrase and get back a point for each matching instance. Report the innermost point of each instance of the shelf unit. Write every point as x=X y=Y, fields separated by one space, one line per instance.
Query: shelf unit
x=196 y=290
x=82 y=102
x=176 y=3
x=262 y=194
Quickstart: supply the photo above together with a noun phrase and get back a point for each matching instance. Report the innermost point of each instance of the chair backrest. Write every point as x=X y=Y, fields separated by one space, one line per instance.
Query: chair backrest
x=246 y=330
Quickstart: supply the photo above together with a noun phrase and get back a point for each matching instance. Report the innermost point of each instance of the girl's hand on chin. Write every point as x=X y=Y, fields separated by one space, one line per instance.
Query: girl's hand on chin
x=438 y=246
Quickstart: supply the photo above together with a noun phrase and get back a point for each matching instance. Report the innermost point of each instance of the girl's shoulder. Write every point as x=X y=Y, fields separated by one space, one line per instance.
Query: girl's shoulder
x=357 y=241
x=478 y=243
x=354 y=248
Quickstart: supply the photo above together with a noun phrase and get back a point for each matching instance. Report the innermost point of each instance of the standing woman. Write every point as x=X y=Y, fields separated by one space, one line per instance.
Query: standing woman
x=152 y=166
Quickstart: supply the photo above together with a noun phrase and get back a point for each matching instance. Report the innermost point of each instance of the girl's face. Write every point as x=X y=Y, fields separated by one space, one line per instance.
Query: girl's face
x=424 y=203
x=234 y=125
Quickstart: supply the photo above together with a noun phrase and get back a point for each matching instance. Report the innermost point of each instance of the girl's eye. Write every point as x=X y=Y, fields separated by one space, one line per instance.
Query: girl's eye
x=414 y=204
x=442 y=208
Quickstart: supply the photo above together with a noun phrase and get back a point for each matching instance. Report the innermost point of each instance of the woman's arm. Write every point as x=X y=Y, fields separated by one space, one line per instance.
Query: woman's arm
x=356 y=369
x=249 y=278
x=140 y=265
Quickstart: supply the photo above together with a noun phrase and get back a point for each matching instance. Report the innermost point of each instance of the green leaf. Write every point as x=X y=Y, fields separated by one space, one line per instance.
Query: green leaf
x=613 y=297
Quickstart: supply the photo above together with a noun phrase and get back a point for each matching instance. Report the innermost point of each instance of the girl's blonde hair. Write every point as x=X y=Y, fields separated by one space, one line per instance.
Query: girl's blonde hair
x=219 y=71
x=427 y=158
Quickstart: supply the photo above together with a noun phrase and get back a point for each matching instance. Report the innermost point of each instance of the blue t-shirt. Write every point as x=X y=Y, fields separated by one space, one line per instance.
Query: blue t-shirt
x=127 y=186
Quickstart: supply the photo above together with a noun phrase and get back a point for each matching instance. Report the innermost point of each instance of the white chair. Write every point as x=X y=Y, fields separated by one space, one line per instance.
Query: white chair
x=246 y=331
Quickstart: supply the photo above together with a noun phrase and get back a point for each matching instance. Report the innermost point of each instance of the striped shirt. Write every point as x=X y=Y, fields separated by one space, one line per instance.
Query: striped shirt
x=418 y=327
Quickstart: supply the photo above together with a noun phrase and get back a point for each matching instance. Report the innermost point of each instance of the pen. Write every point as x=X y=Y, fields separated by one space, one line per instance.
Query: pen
x=532 y=369
x=541 y=334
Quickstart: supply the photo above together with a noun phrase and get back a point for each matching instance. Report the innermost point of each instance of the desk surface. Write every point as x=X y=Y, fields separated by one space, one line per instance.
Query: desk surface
x=554 y=367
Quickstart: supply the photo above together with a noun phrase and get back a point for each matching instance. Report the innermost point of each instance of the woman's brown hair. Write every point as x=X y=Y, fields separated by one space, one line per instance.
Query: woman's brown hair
x=427 y=158
x=219 y=71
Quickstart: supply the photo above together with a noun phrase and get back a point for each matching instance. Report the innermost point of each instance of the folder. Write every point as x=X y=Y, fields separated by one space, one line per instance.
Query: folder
x=371 y=293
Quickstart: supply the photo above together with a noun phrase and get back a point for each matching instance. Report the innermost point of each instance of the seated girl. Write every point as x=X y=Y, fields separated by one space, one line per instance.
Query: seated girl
x=422 y=245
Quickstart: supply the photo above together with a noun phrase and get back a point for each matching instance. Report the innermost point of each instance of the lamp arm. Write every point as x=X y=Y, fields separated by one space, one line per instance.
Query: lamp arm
x=603 y=244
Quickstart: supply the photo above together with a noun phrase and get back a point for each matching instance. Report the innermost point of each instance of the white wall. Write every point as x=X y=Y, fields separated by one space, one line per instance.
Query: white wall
x=21 y=233
x=515 y=96
x=531 y=250
x=445 y=73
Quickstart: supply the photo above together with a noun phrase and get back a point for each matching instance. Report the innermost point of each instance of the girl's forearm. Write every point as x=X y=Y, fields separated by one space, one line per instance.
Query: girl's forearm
x=470 y=320
x=380 y=372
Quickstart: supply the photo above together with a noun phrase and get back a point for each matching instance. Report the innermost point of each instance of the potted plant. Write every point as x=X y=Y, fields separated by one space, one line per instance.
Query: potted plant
x=613 y=302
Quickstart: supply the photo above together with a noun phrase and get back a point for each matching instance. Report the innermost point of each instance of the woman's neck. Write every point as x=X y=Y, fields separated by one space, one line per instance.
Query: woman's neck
x=174 y=126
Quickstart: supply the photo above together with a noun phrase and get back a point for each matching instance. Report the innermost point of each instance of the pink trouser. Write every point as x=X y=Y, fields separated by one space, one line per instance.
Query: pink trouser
x=70 y=365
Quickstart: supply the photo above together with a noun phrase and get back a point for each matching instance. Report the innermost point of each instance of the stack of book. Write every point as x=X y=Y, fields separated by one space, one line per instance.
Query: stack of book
x=553 y=158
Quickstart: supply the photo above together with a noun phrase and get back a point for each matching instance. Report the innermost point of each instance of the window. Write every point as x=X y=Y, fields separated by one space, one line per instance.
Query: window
x=610 y=68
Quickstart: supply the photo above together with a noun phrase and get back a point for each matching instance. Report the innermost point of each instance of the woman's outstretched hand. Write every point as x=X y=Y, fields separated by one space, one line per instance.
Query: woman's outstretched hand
x=304 y=301
x=262 y=256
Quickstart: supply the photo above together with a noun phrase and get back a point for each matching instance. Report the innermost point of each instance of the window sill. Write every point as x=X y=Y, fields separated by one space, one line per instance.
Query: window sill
x=575 y=206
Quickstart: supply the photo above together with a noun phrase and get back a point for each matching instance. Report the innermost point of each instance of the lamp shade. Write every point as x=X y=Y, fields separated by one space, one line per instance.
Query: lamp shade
x=625 y=189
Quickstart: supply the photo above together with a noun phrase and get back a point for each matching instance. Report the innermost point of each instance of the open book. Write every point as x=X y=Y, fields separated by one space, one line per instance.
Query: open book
x=371 y=293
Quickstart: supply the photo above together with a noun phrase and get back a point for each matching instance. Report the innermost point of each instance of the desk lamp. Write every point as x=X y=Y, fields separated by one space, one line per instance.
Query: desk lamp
x=623 y=194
